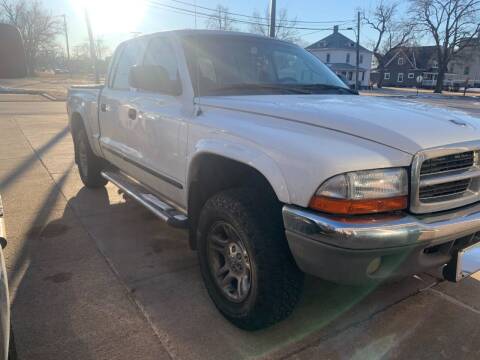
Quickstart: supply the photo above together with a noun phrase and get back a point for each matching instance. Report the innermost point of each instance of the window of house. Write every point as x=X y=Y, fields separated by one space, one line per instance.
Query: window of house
x=435 y=64
x=411 y=75
x=401 y=61
x=386 y=76
x=350 y=75
x=360 y=60
x=466 y=71
x=400 y=77
x=363 y=75
x=328 y=58
x=348 y=59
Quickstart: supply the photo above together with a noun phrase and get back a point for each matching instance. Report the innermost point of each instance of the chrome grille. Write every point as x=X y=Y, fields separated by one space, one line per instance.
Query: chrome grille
x=445 y=178
x=446 y=189
x=448 y=163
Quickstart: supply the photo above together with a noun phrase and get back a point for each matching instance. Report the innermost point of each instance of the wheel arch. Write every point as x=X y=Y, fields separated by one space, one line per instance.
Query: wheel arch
x=211 y=172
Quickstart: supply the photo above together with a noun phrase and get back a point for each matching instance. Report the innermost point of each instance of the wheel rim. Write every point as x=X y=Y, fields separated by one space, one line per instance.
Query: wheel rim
x=82 y=156
x=229 y=262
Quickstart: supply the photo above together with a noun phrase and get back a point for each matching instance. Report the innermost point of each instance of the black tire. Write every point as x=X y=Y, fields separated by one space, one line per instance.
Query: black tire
x=275 y=283
x=89 y=165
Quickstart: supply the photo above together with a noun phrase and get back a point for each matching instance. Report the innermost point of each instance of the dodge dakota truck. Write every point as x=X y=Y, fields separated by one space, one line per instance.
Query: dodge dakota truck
x=276 y=168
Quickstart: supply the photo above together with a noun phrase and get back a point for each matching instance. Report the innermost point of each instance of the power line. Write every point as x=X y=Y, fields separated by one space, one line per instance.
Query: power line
x=258 y=17
x=210 y=15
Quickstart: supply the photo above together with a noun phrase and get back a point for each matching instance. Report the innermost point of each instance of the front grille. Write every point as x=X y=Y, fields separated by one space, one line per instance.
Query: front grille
x=445 y=178
x=448 y=163
x=445 y=189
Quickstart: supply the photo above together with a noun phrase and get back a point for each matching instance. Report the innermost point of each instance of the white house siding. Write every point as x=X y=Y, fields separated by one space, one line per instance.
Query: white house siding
x=339 y=56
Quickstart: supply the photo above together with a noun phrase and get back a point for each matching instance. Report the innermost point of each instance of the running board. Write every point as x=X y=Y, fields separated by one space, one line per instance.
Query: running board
x=145 y=197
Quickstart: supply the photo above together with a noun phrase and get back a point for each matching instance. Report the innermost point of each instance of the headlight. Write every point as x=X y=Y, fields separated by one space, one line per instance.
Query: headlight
x=363 y=192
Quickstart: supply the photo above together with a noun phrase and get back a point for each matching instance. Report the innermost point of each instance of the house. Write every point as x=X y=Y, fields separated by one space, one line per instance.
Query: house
x=466 y=65
x=12 y=57
x=404 y=64
x=339 y=53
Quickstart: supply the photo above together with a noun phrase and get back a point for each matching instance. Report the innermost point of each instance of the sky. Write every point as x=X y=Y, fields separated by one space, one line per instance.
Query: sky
x=118 y=20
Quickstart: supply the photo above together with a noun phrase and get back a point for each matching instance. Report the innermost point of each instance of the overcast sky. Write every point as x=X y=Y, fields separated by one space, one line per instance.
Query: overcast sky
x=115 y=20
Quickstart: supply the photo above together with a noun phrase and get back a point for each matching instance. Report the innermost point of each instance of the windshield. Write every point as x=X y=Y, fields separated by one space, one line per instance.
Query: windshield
x=244 y=65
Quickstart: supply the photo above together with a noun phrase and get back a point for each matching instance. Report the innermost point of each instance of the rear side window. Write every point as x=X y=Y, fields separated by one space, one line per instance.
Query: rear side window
x=160 y=53
x=129 y=57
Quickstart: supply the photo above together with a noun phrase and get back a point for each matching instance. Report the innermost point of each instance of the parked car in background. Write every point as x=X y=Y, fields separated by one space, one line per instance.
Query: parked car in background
x=277 y=168
x=7 y=344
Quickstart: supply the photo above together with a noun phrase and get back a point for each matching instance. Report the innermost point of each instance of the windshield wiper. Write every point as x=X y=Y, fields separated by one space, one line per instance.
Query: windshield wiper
x=261 y=87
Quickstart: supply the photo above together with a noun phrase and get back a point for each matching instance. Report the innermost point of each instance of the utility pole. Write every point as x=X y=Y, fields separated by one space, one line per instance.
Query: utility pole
x=93 y=54
x=66 y=42
x=273 y=14
x=357 y=70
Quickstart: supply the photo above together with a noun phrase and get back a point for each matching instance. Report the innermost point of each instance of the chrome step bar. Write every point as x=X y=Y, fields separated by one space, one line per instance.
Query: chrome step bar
x=146 y=198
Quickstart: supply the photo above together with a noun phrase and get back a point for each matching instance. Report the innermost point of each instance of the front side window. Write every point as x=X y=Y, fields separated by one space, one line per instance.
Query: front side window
x=360 y=60
x=129 y=57
x=400 y=61
x=386 y=76
x=411 y=75
x=400 y=77
x=243 y=65
x=328 y=58
x=161 y=53
x=347 y=60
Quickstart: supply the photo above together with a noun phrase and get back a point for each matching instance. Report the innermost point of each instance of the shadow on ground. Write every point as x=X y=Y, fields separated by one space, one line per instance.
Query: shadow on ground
x=160 y=275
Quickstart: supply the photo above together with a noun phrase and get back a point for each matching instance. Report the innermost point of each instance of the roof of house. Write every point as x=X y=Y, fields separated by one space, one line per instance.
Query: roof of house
x=336 y=40
x=418 y=56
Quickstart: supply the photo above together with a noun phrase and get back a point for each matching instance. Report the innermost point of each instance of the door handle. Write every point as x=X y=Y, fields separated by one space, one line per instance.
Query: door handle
x=103 y=107
x=132 y=114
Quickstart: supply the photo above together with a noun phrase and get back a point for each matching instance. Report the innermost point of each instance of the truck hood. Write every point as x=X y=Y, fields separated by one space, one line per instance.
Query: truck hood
x=401 y=124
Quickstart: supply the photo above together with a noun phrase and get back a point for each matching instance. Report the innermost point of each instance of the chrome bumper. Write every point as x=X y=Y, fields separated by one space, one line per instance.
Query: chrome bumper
x=382 y=231
x=382 y=247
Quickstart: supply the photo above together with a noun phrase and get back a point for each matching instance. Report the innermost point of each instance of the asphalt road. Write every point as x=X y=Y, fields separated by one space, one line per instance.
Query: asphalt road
x=95 y=276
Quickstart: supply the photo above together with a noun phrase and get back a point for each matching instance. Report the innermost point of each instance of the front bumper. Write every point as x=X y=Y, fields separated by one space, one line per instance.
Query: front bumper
x=373 y=248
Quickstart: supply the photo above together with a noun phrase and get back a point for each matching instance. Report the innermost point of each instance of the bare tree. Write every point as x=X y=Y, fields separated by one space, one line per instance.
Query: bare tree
x=37 y=26
x=452 y=23
x=220 y=19
x=284 y=29
x=391 y=33
x=103 y=50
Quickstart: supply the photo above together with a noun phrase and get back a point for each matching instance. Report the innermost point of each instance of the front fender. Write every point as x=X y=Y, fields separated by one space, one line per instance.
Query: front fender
x=246 y=155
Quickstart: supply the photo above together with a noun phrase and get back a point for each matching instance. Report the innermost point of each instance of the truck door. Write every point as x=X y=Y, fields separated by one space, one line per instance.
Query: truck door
x=115 y=114
x=160 y=125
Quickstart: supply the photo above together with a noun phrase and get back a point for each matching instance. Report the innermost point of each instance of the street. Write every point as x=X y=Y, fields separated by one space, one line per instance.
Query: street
x=93 y=275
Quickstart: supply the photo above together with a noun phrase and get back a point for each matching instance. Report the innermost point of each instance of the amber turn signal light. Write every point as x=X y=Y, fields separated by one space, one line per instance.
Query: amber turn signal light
x=358 y=207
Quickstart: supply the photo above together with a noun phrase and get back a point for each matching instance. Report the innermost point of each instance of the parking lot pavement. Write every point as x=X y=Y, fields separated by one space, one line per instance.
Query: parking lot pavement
x=95 y=276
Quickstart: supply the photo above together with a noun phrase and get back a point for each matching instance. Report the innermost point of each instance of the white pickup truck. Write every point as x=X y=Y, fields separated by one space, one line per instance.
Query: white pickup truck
x=277 y=169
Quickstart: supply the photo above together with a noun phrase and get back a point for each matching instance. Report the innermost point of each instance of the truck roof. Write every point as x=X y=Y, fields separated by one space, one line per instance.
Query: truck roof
x=204 y=32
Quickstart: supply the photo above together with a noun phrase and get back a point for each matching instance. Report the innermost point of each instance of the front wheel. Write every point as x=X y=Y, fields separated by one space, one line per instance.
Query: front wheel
x=89 y=165
x=245 y=261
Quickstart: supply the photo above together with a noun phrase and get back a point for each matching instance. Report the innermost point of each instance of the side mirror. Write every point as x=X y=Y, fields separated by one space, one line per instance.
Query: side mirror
x=153 y=78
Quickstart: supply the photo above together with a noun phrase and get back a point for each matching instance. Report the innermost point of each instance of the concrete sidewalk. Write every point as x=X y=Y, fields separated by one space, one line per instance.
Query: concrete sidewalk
x=95 y=276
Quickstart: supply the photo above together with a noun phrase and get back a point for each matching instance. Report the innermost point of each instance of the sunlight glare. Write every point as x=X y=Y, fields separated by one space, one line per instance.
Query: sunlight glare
x=110 y=16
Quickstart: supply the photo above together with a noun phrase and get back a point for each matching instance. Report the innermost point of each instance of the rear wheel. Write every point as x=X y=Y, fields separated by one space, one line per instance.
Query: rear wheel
x=89 y=165
x=245 y=261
